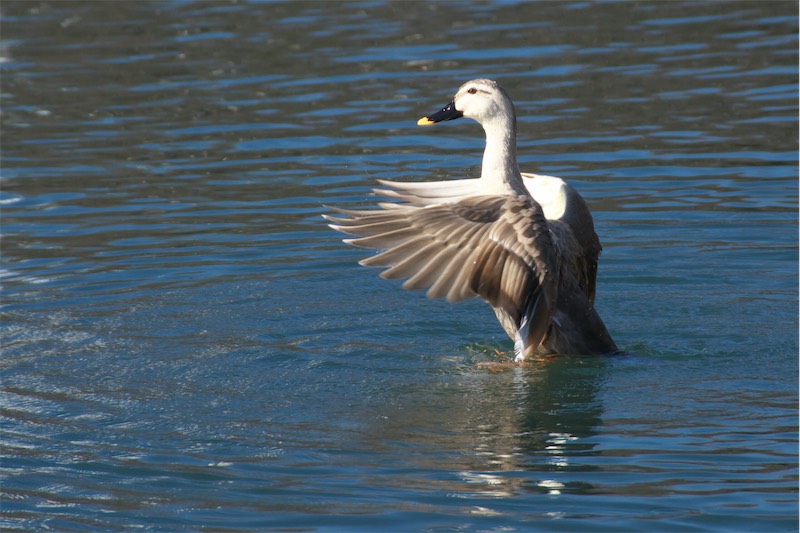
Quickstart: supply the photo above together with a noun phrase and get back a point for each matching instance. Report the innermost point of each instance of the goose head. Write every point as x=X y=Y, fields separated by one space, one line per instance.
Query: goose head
x=482 y=100
x=487 y=103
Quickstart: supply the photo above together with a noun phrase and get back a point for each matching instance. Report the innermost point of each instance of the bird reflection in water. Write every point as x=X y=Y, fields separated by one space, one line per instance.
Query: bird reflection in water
x=501 y=434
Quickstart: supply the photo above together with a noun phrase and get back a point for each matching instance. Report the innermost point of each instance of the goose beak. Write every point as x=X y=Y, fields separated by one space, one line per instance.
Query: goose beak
x=448 y=112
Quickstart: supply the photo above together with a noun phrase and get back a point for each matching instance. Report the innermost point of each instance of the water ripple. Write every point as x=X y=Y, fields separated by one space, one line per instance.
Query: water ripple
x=186 y=345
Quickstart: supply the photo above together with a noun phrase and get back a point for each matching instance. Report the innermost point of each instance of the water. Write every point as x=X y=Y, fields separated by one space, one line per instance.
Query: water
x=187 y=346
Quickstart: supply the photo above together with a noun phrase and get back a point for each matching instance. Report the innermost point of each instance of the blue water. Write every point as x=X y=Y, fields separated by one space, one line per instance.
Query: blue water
x=187 y=346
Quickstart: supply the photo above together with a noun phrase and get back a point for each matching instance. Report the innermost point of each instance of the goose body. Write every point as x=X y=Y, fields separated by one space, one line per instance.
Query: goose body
x=525 y=243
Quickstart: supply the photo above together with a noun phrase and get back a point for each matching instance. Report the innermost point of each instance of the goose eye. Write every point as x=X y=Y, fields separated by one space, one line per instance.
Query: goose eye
x=472 y=90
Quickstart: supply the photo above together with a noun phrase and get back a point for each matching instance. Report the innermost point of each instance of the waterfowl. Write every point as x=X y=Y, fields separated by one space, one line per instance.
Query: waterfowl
x=525 y=243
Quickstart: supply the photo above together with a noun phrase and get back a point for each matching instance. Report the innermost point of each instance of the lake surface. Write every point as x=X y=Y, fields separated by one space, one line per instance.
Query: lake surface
x=187 y=346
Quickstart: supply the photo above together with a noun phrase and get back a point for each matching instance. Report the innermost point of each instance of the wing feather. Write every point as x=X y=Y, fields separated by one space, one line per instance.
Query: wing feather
x=412 y=264
x=497 y=247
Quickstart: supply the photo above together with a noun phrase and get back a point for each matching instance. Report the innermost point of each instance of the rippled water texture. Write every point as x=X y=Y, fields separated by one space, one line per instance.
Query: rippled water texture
x=187 y=346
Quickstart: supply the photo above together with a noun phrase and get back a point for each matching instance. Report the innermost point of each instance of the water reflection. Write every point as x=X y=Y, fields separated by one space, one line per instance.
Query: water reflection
x=502 y=434
x=188 y=346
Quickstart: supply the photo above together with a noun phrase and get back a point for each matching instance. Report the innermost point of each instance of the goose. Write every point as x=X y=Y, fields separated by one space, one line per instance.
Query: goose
x=525 y=243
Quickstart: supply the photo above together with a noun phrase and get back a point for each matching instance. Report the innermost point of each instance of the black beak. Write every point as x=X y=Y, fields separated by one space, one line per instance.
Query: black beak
x=448 y=112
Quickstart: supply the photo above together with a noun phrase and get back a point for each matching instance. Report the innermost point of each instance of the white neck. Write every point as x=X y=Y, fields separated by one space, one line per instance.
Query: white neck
x=500 y=172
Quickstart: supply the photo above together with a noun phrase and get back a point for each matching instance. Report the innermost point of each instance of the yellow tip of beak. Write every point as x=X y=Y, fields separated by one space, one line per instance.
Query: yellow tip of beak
x=425 y=122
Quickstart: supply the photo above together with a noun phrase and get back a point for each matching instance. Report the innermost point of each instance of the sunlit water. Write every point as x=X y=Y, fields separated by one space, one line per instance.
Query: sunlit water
x=188 y=346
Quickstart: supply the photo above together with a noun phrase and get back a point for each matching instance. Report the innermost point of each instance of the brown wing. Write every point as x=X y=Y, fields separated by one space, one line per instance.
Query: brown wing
x=497 y=247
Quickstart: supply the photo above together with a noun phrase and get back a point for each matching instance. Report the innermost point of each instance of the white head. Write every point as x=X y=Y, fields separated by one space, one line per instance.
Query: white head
x=482 y=100
x=486 y=102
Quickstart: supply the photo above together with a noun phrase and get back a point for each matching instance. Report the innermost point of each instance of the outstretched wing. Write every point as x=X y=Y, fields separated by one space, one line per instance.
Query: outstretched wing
x=496 y=247
x=419 y=193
